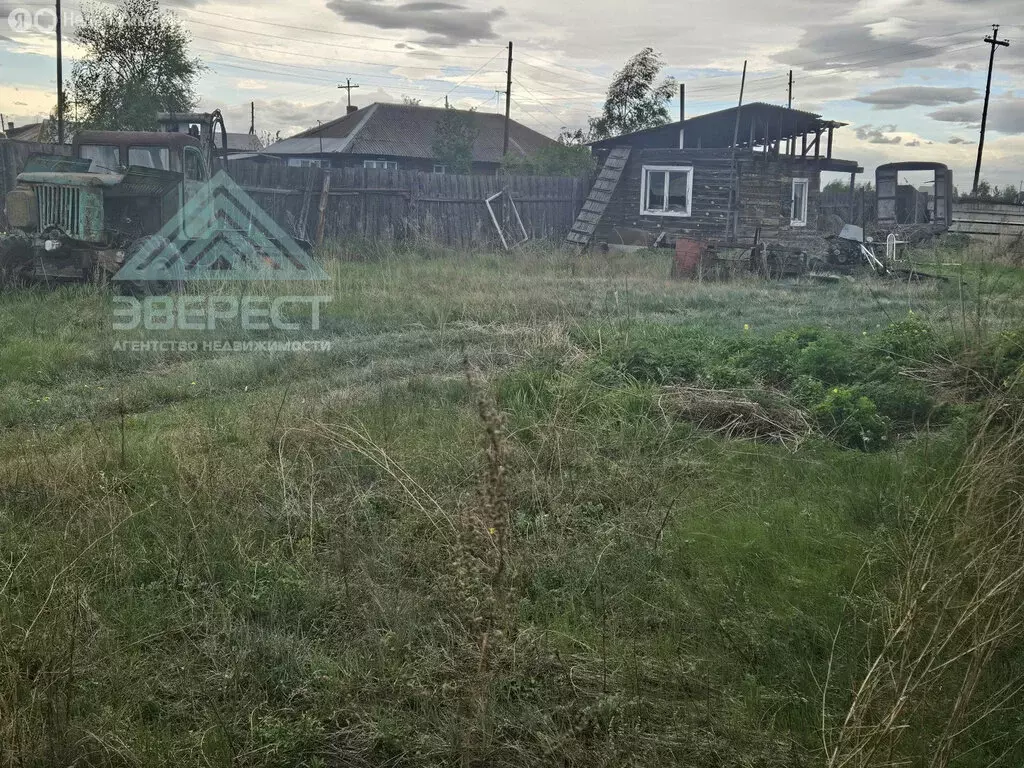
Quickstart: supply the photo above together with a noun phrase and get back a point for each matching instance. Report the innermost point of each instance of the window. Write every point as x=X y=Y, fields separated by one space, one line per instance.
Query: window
x=195 y=169
x=150 y=157
x=666 y=190
x=382 y=165
x=306 y=162
x=440 y=169
x=798 y=212
x=105 y=159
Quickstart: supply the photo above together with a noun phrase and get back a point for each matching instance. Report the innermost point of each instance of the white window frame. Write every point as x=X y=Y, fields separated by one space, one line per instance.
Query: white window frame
x=306 y=162
x=645 y=178
x=381 y=165
x=801 y=220
x=440 y=169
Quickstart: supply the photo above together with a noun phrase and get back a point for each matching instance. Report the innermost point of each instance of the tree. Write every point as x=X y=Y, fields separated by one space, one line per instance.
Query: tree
x=569 y=157
x=136 y=64
x=634 y=102
x=409 y=101
x=454 y=134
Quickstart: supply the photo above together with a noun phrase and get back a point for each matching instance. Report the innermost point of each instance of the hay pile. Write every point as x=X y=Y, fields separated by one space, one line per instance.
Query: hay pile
x=731 y=413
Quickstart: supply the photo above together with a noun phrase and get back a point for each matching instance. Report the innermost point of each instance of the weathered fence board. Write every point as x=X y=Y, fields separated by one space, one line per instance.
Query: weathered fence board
x=397 y=205
x=989 y=221
x=13 y=155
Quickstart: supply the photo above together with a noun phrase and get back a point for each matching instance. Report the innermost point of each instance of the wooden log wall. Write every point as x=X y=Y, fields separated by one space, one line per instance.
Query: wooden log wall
x=398 y=205
x=765 y=190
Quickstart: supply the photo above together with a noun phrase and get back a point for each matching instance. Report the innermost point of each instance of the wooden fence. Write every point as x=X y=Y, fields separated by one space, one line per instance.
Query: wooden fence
x=989 y=221
x=13 y=155
x=837 y=202
x=398 y=205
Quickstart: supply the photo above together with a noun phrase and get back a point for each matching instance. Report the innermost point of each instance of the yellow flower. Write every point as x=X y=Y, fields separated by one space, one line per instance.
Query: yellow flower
x=492 y=531
x=193 y=383
x=865 y=333
x=746 y=327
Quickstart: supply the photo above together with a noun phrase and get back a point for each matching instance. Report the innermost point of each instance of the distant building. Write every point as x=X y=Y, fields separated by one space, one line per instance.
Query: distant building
x=30 y=132
x=737 y=175
x=401 y=137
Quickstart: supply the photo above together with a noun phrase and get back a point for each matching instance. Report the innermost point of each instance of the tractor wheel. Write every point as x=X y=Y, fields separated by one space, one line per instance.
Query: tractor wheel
x=165 y=255
x=16 y=266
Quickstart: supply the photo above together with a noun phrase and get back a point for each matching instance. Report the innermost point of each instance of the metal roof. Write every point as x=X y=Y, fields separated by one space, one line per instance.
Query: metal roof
x=403 y=130
x=716 y=129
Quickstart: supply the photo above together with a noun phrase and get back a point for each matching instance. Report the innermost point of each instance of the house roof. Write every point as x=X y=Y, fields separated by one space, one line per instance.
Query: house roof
x=404 y=130
x=716 y=129
x=244 y=142
x=30 y=132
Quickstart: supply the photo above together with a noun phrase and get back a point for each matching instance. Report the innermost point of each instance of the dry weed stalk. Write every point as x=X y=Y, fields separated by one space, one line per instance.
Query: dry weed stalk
x=959 y=604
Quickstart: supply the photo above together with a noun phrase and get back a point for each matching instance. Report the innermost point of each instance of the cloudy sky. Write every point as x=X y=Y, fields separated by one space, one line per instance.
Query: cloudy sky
x=907 y=75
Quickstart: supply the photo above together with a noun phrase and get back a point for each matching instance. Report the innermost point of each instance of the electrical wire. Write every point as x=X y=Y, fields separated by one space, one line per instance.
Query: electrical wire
x=459 y=85
x=328 y=32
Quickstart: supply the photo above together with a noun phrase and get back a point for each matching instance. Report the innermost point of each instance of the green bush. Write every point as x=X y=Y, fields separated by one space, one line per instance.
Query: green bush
x=903 y=401
x=851 y=419
x=905 y=340
x=831 y=359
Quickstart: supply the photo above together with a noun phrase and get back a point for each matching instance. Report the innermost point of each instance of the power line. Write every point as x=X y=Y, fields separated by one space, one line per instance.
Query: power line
x=459 y=85
x=324 y=31
x=331 y=80
x=350 y=61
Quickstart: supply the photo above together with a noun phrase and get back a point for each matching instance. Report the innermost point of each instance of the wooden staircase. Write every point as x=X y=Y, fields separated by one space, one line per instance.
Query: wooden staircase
x=600 y=195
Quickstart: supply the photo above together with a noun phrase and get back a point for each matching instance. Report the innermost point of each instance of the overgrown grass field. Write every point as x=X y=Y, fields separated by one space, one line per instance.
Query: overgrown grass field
x=530 y=509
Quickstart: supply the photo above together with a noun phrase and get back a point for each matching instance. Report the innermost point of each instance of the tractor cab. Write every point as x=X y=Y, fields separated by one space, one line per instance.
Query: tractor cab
x=71 y=217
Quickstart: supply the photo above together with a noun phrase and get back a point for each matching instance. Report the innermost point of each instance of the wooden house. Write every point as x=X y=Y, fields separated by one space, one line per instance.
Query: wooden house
x=739 y=176
x=400 y=137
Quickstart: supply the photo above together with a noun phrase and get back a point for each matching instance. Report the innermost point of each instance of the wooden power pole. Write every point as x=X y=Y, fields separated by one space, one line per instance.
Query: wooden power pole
x=508 y=100
x=348 y=87
x=60 y=79
x=993 y=41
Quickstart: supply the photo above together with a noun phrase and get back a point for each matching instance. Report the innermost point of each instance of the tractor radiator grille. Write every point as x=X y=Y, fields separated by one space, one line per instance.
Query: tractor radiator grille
x=59 y=207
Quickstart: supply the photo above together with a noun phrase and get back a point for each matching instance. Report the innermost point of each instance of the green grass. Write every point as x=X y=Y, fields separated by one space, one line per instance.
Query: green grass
x=266 y=560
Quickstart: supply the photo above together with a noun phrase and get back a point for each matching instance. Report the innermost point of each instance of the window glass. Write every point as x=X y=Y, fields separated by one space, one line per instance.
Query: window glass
x=150 y=157
x=382 y=165
x=105 y=159
x=194 y=170
x=677 y=184
x=656 y=191
x=799 y=212
x=440 y=169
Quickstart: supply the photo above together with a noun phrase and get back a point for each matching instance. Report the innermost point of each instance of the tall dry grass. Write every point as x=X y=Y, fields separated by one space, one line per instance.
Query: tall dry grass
x=944 y=667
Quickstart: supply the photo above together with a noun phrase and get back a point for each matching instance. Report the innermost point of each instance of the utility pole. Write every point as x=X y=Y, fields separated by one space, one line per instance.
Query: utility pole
x=252 y=118
x=682 y=115
x=993 y=41
x=348 y=87
x=60 y=79
x=508 y=100
x=789 y=106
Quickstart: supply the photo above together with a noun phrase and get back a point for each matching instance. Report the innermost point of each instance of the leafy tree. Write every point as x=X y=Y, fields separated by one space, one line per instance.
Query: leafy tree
x=409 y=101
x=136 y=64
x=454 y=135
x=569 y=157
x=984 y=191
x=634 y=101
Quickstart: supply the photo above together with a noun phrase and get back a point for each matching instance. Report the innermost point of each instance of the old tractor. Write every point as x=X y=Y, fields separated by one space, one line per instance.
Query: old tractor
x=80 y=218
